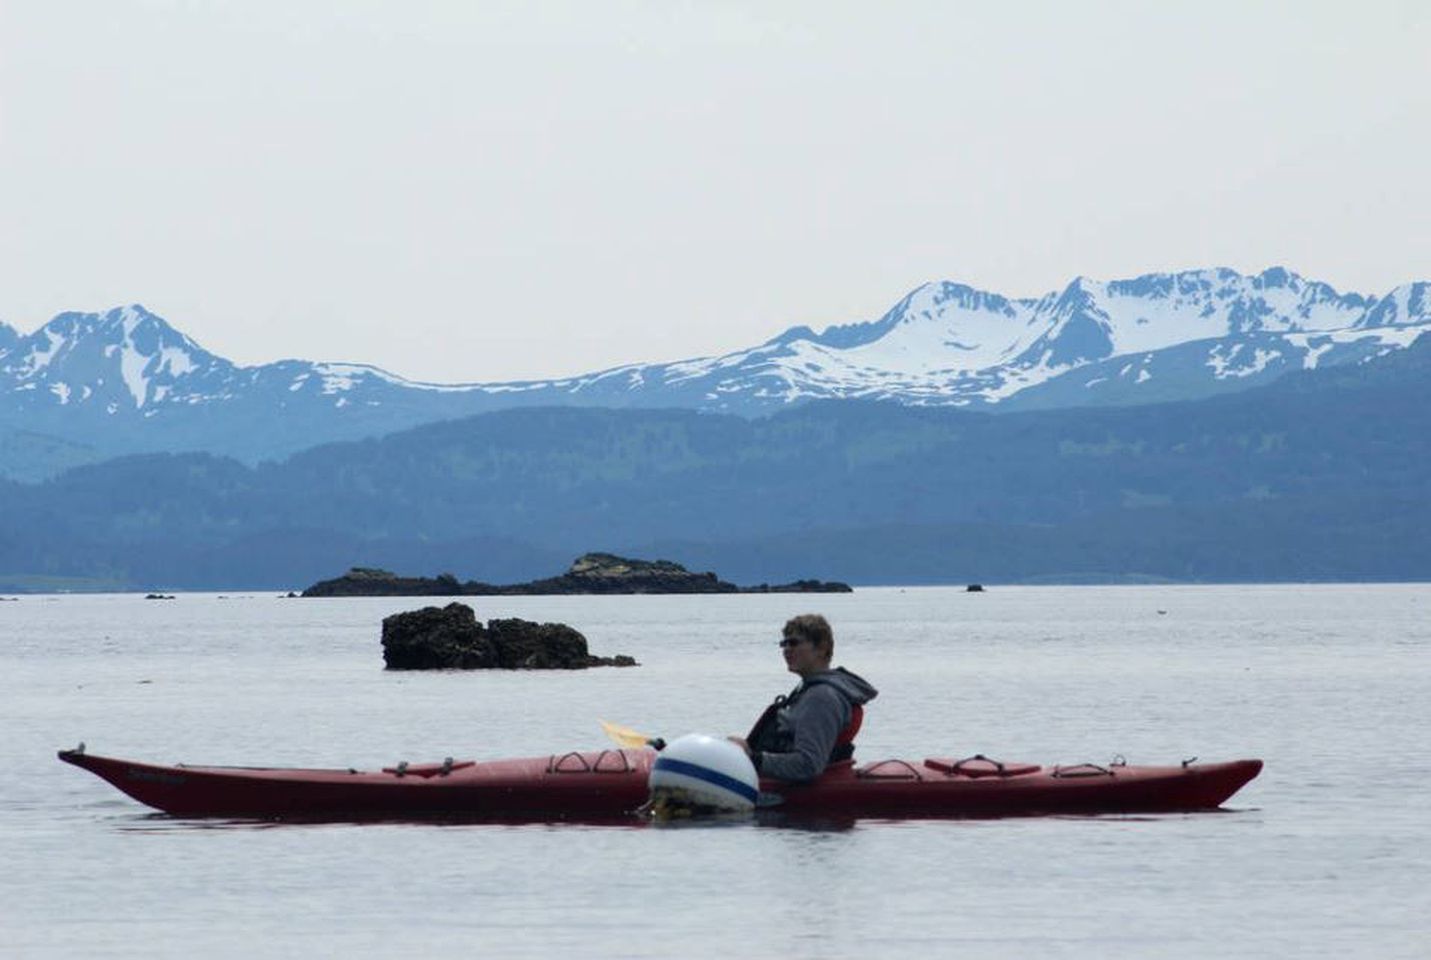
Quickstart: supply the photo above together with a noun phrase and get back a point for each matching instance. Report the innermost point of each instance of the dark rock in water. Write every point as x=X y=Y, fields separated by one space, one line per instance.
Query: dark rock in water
x=974 y=588
x=598 y=573
x=537 y=646
x=802 y=586
x=620 y=660
x=435 y=638
x=450 y=637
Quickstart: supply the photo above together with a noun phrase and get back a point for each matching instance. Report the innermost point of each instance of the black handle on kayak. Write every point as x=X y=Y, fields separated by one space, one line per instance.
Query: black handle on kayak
x=998 y=765
x=903 y=770
x=1082 y=770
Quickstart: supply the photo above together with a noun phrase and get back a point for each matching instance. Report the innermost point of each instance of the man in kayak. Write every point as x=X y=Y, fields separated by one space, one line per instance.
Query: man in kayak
x=815 y=724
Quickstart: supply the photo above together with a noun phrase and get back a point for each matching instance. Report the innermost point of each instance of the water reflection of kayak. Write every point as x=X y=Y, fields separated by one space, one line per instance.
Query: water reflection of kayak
x=611 y=784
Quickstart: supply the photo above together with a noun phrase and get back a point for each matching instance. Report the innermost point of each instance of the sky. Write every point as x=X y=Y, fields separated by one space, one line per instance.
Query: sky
x=462 y=191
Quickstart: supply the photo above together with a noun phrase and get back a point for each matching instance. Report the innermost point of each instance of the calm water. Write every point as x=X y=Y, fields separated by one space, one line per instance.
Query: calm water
x=1327 y=854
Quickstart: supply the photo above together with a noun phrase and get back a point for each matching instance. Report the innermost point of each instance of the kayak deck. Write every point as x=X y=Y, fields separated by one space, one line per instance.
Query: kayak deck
x=611 y=784
x=608 y=783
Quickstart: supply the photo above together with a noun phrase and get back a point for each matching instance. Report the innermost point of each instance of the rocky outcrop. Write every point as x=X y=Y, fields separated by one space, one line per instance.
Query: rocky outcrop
x=436 y=638
x=608 y=573
x=371 y=582
x=591 y=573
x=452 y=638
x=801 y=586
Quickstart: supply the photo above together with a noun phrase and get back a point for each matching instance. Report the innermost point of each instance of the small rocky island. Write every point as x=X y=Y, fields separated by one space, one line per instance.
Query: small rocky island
x=598 y=573
x=452 y=638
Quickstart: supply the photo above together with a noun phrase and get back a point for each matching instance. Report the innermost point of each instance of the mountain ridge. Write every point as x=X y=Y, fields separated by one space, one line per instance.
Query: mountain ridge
x=1305 y=478
x=126 y=381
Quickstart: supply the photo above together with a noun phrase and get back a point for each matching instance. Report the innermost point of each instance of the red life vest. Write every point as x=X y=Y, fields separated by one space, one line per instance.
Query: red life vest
x=857 y=718
x=844 y=740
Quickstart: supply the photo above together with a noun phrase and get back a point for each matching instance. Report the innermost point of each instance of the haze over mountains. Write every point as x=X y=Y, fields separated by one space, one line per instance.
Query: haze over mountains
x=88 y=386
x=1322 y=475
x=1197 y=426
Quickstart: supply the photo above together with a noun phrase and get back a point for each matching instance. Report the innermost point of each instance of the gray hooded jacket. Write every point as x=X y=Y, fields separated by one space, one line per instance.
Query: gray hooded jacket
x=797 y=742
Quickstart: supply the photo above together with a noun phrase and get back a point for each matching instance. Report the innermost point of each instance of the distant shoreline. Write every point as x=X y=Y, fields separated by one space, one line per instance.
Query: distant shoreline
x=591 y=573
x=18 y=588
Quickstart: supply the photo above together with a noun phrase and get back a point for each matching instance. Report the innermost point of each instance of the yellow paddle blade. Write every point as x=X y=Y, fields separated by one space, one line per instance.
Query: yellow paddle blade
x=624 y=736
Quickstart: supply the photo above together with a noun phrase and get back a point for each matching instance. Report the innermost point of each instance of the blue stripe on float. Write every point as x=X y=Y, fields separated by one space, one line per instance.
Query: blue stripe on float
x=708 y=775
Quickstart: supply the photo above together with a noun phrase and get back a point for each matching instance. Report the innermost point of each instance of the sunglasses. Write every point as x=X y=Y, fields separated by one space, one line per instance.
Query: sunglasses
x=791 y=642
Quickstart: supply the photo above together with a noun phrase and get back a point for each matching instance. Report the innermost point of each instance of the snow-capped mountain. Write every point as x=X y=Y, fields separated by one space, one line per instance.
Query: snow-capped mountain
x=1196 y=334
x=126 y=358
x=129 y=360
x=126 y=381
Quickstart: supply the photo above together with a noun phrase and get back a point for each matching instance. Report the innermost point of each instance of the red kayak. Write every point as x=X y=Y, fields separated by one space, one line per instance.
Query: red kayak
x=611 y=784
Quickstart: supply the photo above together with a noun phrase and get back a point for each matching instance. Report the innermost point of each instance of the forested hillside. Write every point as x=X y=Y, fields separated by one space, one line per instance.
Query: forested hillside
x=1322 y=475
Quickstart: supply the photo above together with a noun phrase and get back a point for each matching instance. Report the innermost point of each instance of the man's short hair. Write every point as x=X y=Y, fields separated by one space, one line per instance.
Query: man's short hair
x=812 y=628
